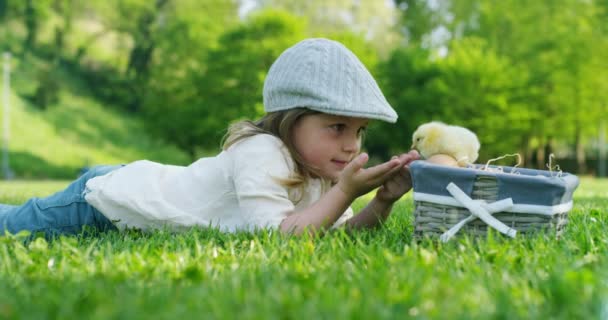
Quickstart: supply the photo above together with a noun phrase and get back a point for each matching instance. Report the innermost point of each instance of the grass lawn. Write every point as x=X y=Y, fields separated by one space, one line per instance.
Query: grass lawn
x=368 y=275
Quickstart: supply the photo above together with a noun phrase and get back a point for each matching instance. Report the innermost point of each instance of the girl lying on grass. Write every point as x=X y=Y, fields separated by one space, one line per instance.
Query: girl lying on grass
x=298 y=168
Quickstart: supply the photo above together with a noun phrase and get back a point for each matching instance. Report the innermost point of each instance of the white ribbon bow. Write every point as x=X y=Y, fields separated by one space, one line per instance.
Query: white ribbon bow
x=479 y=209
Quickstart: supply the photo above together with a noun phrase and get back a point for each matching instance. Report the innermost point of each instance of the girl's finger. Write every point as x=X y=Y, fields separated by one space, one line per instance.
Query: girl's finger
x=399 y=176
x=381 y=169
x=407 y=158
x=381 y=178
x=414 y=154
x=356 y=164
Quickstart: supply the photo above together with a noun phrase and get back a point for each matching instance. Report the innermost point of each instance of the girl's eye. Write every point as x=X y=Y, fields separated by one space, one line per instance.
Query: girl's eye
x=338 y=127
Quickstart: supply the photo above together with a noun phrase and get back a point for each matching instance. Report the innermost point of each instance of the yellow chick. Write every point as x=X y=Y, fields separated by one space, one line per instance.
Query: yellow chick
x=439 y=138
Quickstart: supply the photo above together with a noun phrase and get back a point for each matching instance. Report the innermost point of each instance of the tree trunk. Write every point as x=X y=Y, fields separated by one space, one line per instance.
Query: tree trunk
x=31 y=24
x=580 y=152
x=549 y=147
x=141 y=55
x=64 y=10
x=82 y=49
x=3 y=9
x=540 y=155
x=524 y=150
x=601 y=169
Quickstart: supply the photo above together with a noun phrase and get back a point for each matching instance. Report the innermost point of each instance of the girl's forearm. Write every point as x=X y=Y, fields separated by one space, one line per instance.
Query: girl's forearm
x=320 y=216
x=372 y=215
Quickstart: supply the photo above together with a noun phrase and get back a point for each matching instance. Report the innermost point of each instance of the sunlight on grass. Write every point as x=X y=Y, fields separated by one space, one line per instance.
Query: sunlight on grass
x=590 y=187
x=18 y=191
x=380 y=274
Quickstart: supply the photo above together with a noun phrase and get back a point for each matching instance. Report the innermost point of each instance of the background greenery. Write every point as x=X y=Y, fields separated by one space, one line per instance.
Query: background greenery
x=527 y=77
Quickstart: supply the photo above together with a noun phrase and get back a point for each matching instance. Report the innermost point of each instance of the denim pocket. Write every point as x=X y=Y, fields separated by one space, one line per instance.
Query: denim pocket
x=58 y=200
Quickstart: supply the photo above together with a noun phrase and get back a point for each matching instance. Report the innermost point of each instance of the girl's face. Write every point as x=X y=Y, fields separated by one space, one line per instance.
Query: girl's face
x=327 y=142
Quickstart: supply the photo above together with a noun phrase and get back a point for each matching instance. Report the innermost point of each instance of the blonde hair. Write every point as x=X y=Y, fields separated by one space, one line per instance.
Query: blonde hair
x=278 y=124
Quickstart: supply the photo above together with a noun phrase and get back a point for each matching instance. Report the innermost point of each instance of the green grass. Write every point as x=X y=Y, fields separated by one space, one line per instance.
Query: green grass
x=75 y=131
x=375 y=275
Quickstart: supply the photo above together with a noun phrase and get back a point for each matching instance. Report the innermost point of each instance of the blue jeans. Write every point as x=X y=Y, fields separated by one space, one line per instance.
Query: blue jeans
x=65 y=212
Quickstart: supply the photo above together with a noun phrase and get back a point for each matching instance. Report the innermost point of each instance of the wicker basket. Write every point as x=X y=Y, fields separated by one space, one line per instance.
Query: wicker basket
x=536 y=200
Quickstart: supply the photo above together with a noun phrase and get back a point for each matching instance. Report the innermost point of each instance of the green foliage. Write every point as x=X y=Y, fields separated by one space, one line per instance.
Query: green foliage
x=381 y=274
x=406 y=79
x=47 y=92
x=174 y=89
x=556 y=48
x=419 y=19
x=526 y=76
x=75 y=131
x=225 y=84
x=482 y=91
x=230 y=87
x=374 y=21
x=3 y=10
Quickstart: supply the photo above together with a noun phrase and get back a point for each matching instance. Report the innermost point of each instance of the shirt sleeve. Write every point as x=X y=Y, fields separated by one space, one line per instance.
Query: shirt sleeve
x=259 y=164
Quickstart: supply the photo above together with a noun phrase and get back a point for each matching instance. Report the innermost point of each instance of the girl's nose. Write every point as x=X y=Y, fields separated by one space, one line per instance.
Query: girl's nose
x=351 y=144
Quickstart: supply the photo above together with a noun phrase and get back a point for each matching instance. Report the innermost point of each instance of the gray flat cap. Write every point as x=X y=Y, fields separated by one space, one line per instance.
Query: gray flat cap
x=323 y=75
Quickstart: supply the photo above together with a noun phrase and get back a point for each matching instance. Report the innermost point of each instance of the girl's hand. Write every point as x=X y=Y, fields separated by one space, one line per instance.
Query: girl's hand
x=400 y=182
x=355 y=181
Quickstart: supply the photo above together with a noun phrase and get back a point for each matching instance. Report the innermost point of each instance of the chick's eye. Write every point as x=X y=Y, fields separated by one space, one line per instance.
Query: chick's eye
x=418 y=139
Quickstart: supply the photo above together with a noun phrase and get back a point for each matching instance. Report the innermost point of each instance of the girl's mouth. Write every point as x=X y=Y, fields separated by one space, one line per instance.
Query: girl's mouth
x=339 y=163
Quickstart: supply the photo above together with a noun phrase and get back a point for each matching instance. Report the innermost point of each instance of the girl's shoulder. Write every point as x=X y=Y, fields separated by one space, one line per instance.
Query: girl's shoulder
x=260 y=147
x=261 y=151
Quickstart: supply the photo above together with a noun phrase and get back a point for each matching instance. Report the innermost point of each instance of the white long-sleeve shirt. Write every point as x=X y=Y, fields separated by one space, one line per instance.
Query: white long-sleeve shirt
x=235 y=190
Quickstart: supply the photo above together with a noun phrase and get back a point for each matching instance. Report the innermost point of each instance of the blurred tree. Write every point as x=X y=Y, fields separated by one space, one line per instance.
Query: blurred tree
x=144 y=41
x=407 y=81
x=6 y=13
x=420 y=18
x=183 y=42
x=31 y=22
x=229 y=87
x=547 y=49
x=47 y=90
x=34 y=14
x=483 y=91
x=3 y=10
x=65 y=11
x=472 y=87
x=555 y=46
x=140 y=19
x=174 y=88
x=375 y=21
x=166 y=35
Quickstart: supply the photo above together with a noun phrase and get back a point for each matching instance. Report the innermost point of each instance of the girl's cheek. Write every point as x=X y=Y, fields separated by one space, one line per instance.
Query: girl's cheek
x=332 y=132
